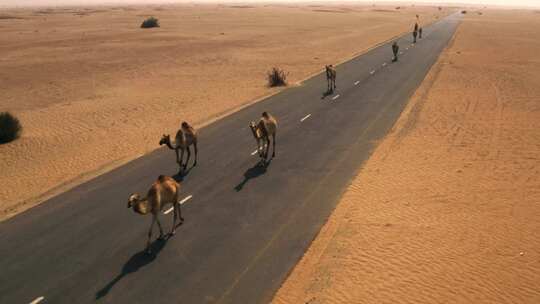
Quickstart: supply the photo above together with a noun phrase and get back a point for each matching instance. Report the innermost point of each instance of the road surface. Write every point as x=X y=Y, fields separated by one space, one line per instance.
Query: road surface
x=246 y=225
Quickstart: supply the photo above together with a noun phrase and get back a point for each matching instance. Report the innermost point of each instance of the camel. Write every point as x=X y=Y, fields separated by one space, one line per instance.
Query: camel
x=331 y=78
x=164 y=191
x=185 y=137
x=395 y=50
x=262 y=131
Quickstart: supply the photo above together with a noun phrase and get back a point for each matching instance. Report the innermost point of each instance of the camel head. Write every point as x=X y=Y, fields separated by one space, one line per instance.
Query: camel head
x=134 y=198
x=165 y=139
x=140 y=206
x=254 y=129
x=265 y=115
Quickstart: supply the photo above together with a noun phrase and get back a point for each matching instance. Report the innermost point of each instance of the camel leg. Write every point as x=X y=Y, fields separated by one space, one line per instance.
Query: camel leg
x=173 y=229
x=334 y=81
x=179 y=209
x=195 y=149
x=267 y=147
x=259 y=147
x=273 y=145
x=188 y=157
x=181 y=159
x=160 y=229
x=177 y=157
x=150 y=234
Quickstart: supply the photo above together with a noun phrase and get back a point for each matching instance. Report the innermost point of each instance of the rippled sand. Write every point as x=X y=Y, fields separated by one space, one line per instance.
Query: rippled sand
x=447 y=209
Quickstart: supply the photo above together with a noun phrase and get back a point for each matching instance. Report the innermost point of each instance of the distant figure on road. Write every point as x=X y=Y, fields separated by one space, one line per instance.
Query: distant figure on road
x=262 y=131
x=331 y=78
x=395 y=50
x=420 y=33
x=415 y=33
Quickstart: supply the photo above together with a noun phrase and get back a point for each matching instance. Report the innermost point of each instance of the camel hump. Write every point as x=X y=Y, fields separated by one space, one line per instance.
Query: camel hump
x=162 y=178
x=187 y=127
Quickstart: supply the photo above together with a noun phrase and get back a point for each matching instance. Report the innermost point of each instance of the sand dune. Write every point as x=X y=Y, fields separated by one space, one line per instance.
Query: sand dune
x=93 y=90
x=447 y=208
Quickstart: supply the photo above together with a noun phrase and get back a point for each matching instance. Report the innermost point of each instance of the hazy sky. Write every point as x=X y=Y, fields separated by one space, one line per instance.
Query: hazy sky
x=533 y=3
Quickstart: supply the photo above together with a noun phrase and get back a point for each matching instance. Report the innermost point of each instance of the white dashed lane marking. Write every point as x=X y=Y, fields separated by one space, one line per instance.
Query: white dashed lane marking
x=305 y=117
x=187 y=198
x=37 y=300
x=357 y=82
x=254 y=152
x=335 y=97
x=372 y=72
x=384 y=64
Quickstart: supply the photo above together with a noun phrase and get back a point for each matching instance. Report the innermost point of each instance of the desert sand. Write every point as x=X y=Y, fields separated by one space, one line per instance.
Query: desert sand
x=447 y=209
x=94 y=91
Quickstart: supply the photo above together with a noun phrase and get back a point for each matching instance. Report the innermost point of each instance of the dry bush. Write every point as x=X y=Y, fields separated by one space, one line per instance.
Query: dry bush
x=10 y=127
x=150 y=22
x=277 y=77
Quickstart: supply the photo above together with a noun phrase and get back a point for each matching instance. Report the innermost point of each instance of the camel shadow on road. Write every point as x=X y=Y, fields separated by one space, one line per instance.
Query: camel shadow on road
x=181 y=174
x=137 y=261
x=253 y=172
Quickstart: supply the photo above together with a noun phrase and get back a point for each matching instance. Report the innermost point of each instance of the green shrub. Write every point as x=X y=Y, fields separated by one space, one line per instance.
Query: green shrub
x=10 y=127
x=150 y=22
x=277 y=77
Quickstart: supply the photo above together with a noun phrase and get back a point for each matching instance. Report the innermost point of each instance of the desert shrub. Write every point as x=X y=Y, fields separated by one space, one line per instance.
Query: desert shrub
x=150 y=22
x=10 y=127
x=463 y=12
x=277 y=77
x=398 y=7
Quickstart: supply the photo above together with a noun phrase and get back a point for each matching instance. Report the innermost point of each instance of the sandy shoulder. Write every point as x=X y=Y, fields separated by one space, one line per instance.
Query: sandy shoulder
x=447 y=208
x=94 y=91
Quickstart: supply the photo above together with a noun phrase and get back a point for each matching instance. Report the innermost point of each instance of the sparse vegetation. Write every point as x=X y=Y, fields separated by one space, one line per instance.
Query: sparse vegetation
x=463 y=12
x=7 y=17
x=10 y=127
x=277 y=77
x=150 y=22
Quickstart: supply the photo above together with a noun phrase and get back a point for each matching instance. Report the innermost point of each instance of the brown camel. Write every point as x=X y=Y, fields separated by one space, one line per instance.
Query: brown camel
x=262 y=131
x=185 y=137
x=164 y=191
x=331 y=78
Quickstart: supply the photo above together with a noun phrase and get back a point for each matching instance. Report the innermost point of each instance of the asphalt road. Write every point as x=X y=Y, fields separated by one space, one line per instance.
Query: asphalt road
x=246 y=225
